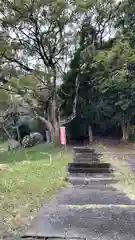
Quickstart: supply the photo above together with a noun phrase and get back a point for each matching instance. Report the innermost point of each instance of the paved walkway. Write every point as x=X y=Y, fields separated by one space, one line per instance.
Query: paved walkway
x=93 y=211
x=87 y=209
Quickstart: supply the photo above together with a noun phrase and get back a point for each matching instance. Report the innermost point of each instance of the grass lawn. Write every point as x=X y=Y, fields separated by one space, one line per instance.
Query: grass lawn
x=27 y=178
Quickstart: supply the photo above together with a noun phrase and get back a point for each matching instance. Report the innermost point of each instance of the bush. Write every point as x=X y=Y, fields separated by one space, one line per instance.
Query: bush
x=24 y=129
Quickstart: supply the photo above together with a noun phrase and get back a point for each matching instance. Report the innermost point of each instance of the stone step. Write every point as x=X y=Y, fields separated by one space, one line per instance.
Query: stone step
x=92 y=183
x=85 y=165
x=83 y=158
x=87 y=155
x=80 y=196
x=90 y=175
x=86 y=161
x=93 y=187
x=83 y=150
x=72 y=169
x=66 y=222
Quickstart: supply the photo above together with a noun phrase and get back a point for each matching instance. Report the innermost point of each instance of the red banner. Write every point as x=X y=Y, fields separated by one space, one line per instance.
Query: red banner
x=63 y=135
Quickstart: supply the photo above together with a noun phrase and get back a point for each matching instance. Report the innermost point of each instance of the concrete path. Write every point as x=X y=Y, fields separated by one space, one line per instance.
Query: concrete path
x=93 y=212
x=91 y=208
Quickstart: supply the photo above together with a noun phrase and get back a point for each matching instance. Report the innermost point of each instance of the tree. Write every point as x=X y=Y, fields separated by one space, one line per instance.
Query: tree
x=35 y=42
x=106 y=67
x=91 y=40
x=117 y=86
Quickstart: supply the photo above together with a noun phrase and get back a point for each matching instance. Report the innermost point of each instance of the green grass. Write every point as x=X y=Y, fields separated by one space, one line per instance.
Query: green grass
x=27 y=179
x=3 y=146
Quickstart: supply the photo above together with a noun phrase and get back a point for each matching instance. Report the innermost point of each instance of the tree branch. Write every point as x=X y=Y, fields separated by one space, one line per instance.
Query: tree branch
x=42 y=52
x=73 y=115
x=25 y=67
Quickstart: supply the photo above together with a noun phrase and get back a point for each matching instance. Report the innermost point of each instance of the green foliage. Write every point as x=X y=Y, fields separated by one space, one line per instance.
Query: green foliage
x=107 y=75
x=104 y=67
x=36 y=41
x=24 y=129
x=5 y=99
x=39 y=33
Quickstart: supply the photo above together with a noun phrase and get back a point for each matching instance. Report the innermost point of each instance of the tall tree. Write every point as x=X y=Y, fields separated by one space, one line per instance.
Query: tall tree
x=96 y=23
x=36 y=37
x=117 y=85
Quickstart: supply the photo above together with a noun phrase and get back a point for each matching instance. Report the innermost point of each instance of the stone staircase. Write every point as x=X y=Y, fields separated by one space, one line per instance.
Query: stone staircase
x=91 y=208
x=86 y=167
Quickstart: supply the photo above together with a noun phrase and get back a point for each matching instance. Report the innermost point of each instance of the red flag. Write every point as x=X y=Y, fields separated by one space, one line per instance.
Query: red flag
x=63 y=135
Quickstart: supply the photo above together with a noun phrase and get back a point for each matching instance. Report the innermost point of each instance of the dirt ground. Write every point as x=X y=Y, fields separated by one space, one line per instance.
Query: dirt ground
x=117 y=149
x=115 y=146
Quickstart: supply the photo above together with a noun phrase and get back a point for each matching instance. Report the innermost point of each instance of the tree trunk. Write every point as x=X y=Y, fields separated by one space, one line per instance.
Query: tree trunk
x=125 y=131
x=53 y=129
x=55 y=138
x=48 y=126
x=54 y=109
x=90 y=134
x=6 y=131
